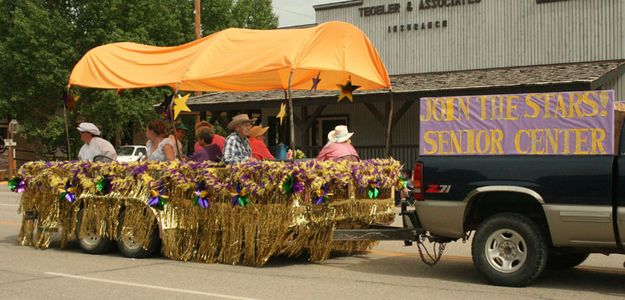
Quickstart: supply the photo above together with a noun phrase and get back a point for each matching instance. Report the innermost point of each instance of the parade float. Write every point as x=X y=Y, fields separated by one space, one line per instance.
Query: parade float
x=236 y=213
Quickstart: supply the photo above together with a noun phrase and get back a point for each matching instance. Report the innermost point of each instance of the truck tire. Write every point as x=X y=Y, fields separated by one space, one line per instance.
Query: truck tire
x=92 y=243
x=129 y=248
x=509 y=250
x=563 y=260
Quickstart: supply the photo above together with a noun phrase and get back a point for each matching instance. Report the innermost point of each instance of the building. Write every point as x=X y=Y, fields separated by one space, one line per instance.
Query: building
x=446 y=48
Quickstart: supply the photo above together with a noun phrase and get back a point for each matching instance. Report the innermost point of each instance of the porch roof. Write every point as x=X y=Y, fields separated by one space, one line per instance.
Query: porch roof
x=555 y=77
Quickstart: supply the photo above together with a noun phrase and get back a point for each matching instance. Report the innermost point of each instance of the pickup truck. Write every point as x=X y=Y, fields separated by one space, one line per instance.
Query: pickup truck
x=527 y=212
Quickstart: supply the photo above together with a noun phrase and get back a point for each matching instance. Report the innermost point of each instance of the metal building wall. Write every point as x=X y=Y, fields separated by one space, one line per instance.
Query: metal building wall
x=492 y=33
x=618 y=85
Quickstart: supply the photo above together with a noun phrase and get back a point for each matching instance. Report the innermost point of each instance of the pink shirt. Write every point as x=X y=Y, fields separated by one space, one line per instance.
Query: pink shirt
x=217 y=140
x=336 y=150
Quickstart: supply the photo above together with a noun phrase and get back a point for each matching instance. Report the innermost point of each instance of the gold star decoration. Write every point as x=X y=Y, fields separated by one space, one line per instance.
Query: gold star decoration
x=180 y=104
x=347 y=90
x=282 y=112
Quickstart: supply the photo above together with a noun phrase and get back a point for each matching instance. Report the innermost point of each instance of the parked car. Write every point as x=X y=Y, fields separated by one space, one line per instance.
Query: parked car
x=131 y=153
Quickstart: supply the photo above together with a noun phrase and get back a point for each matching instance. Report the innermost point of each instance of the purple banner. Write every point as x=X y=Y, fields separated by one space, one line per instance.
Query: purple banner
x=568 y=123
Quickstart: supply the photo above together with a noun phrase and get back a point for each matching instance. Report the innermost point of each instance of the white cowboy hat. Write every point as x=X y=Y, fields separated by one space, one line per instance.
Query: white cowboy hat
x=238 y=119
x=339 y=134
x=88 y=127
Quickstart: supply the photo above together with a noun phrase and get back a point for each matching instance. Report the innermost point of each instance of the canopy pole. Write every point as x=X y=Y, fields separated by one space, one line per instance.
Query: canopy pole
x=389 y=126
x=173 y=124
x=291 y=123
x=66 y=130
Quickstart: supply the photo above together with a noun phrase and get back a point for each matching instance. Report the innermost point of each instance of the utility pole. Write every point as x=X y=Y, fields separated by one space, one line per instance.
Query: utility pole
x=198 y=26
x=198 y=31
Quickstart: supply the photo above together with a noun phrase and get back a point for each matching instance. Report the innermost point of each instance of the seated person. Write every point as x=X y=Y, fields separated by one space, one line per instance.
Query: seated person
x=209 y=151
x=339 y=146
x=217 y=139
x=94 y=146
x=160 y=148
x=237 y=147
x=257 y=143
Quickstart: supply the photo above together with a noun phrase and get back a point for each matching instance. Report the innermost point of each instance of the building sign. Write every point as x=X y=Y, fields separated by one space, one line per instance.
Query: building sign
x=417 y=25
x=379 y=10
x=428 y=4
x=568 y=123
x=548 y=1
x=395 y=8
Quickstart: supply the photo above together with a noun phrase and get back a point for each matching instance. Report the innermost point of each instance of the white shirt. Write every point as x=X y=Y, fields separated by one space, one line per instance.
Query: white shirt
x=97 y=146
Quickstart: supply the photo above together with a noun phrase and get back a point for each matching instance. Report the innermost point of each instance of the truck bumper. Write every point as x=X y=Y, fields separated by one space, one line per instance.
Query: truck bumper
x=442 y=218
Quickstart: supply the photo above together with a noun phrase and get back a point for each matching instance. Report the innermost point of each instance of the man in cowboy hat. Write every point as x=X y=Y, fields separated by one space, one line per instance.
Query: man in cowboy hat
x=339 y=145
x=237 y=146
x=94 y=145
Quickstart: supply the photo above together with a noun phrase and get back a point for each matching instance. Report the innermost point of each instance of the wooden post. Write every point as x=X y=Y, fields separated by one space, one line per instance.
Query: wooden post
x=10 y=156
x=173 y=124
x=389 y=127
x=66 y=130
x=291 y=122
x=198 y=27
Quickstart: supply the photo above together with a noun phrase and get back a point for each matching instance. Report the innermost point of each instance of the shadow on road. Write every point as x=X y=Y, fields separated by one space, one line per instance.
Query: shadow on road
x=9 y=240
x=606 y=281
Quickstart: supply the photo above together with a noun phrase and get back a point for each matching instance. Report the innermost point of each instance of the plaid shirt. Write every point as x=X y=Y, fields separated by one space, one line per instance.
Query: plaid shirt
x=236 y=149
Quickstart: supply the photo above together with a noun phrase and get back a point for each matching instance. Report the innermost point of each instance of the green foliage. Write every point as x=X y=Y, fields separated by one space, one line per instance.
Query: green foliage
x=41 y=40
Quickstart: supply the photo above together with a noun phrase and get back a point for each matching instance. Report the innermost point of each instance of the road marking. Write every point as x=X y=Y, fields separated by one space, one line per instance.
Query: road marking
x=4 y=204
x=147 y=286
x=10 y=223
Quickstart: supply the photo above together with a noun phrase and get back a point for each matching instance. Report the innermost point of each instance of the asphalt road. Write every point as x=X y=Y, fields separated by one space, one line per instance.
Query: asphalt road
x=390 y=271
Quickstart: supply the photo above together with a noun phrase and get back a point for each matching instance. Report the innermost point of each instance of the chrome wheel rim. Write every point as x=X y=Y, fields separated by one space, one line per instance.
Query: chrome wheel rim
x=130 y=242
x=506 y=250
x=90 y=240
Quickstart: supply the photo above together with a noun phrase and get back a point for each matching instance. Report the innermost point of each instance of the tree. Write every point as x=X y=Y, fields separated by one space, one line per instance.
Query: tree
x=41 y=40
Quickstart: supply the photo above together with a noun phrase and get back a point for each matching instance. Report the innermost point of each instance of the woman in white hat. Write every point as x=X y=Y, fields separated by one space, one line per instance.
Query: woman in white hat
x=339 y=145
x=94 y=145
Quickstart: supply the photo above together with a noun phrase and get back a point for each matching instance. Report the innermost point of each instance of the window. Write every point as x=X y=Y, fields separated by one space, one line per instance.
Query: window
x=141 y=151
x=278 y=133
x=324 y=125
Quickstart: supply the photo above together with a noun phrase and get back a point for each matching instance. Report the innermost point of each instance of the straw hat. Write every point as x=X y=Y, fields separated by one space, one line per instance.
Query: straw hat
x=257 y=131
x=238 y=119
x=88 y=127
x=339 y=134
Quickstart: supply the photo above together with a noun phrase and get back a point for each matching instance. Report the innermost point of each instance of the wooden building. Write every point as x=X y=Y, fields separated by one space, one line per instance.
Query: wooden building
x=446 y=48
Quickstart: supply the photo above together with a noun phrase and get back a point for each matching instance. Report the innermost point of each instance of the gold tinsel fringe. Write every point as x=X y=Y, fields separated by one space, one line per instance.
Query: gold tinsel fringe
x=277 y=224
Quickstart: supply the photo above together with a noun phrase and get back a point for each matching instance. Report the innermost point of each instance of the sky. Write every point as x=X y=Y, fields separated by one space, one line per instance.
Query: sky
x=296 y=12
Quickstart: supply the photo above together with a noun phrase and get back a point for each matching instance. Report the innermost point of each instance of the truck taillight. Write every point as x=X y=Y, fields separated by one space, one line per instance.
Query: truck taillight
x=417 y=181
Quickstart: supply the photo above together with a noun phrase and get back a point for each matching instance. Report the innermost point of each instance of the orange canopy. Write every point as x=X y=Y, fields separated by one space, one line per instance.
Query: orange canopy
x=240 y=60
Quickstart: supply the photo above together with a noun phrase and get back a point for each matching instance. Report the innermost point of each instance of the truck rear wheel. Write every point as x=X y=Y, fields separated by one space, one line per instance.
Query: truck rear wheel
x=91 y=242
x=509 y=250
x=130 y=248
x=564 y=260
